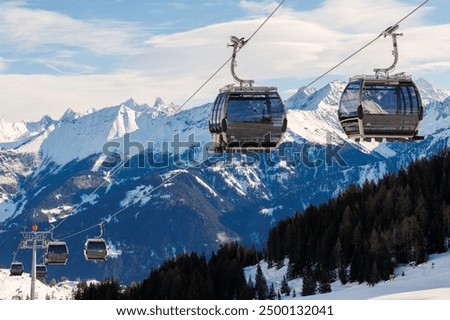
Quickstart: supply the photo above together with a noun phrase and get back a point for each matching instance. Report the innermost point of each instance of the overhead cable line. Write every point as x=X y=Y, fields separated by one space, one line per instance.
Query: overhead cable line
x=365 y=46
x=117 y=168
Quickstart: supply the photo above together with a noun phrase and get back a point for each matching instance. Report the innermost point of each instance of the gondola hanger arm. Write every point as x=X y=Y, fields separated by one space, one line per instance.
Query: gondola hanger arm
x=366 y=45
x=237 y=44
x=390 y=32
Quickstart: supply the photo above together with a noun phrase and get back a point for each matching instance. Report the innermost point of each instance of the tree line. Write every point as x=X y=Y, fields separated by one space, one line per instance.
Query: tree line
x=365 y=232
x=188 y=277
x=359 y=236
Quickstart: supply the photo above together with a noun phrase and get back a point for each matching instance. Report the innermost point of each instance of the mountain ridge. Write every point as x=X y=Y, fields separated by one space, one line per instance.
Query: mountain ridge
x=65 y=172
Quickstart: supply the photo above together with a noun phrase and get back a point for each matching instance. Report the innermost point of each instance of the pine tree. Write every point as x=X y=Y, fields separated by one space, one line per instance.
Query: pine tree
x=272 y=294
x=325 y=278
x=262 y=290
x=285 y=289
x=309 y=282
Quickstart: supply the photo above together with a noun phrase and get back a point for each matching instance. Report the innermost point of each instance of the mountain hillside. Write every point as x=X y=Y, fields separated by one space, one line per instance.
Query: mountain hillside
x=130 y=167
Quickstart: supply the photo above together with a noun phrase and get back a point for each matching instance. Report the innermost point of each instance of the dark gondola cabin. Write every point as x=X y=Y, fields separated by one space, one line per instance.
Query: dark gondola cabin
x=248 y=117
x=95 y=249
x=16 y=268
x=41 y=272
x=382 y=106
x=377 y=108
x=57 y=253
x=244 y=116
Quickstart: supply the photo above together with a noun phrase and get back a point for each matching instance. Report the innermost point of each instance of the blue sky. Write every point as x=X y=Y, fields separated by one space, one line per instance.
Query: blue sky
x=95 y=53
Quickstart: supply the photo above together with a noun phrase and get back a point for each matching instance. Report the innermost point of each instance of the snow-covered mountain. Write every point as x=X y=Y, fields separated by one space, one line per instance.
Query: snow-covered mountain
x=430 y=93
x=131 y=167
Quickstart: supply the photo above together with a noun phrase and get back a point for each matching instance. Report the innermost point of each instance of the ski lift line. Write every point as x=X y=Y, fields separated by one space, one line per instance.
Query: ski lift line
x=122 y=163
x=265 y=21
x=89 y=196
x=78 y=232
x=412 y=12
x=365 y=46
x=214 y=74
x=122 y=209
x=209 y=79
x=16 y=252
x=92 y=227
x=111 y=173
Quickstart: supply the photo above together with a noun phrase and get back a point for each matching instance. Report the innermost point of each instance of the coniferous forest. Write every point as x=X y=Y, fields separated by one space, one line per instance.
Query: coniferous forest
x=360 y=236
x=188 y=277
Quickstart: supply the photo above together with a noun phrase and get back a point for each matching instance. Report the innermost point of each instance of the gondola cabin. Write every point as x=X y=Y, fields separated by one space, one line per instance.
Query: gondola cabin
x=95 y=249
x=375 y=107
x=16 y=268
x=57 y=253
x=247 y=118
x=41 y=272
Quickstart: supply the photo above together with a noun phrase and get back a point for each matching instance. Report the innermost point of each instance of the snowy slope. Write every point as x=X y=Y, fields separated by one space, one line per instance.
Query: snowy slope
x=11 y=131
x=437 y=119
x=19 y=287
x=14 y=135
x=427 y=281
x=88 y=134
x=316 y=120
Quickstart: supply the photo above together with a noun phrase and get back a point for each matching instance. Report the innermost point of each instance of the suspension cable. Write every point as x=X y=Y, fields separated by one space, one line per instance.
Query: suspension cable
x=110 y=217
x=105 y=220
x=364 y=47
x=117 y=168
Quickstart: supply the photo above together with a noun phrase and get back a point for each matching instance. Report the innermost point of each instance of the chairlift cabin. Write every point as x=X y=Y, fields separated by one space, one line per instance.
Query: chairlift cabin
x=382 y=106
x=95 y=249
x=41 y=271
x=57 y=253
x=251 y=117
x=245 y=116
x=376 y=107
x=16 y=268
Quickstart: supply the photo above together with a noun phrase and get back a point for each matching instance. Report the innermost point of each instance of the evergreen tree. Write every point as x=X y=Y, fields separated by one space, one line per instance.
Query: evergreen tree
x=285 y=289
x=272 y=294
x=262 y=290
x=325 y=278
x=309 y=282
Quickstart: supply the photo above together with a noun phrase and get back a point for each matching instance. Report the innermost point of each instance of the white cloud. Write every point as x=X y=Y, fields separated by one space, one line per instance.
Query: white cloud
x=258 y=8
x=32 y=29
x=32 y=96
x=293 y=45
x=302 y=46
x=359 y=16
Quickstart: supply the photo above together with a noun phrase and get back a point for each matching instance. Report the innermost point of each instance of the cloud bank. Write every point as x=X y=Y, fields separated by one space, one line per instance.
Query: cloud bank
x=83 y=64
